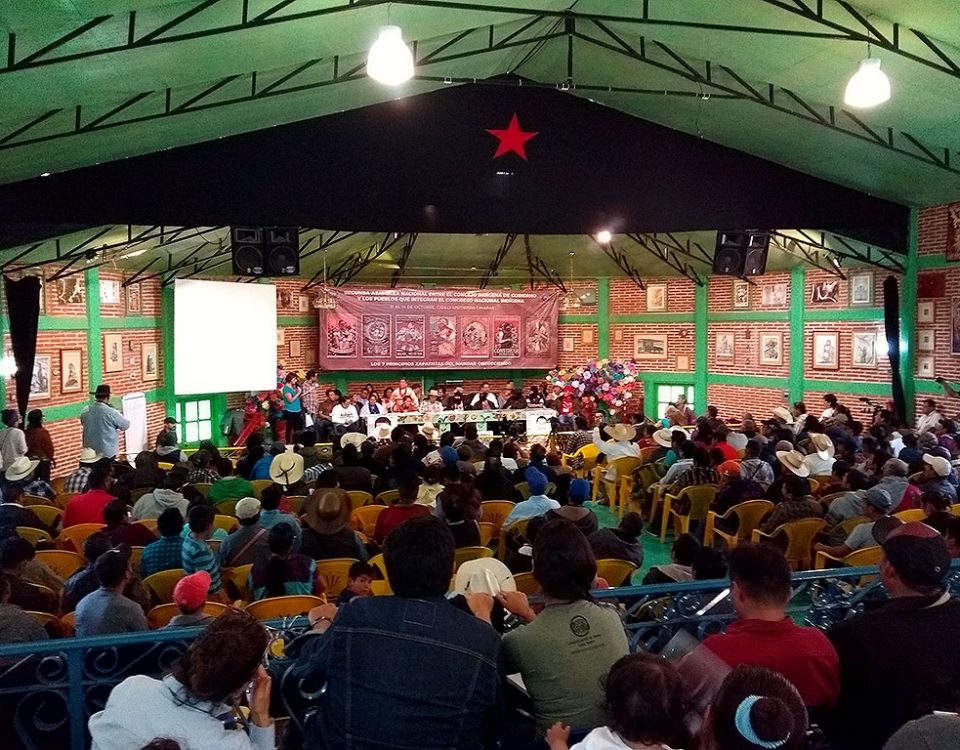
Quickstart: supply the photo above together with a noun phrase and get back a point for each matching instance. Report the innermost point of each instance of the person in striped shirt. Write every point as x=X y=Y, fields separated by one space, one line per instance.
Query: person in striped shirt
x=197 y=555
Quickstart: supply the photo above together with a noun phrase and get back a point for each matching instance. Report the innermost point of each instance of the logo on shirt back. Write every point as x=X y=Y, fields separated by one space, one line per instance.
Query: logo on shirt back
x=579 y=626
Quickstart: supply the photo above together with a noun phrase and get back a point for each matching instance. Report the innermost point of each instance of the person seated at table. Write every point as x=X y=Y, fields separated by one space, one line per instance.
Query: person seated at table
x=118 y=528
x=107 y=610
x=284 y=572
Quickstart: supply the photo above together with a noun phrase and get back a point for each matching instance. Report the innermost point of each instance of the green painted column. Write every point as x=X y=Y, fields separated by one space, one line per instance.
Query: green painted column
x=908 y=318
x=797 y=332
x=166 y=338
x=702 y=343
x=94 y=328
x=603 y=317
x=3 y=328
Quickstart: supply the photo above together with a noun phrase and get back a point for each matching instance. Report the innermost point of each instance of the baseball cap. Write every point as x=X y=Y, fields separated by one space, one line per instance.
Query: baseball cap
x=880 y=499
x=191 y=591
x=246 y=508
x=729 y=469
x=939 y=464
x=918 y=553
x=536 y=480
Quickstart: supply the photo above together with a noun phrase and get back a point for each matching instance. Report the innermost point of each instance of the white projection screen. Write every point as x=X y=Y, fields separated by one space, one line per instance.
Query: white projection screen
x=224 y=337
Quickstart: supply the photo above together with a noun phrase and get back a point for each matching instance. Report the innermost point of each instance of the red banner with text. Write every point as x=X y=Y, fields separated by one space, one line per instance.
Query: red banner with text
x=373 y=329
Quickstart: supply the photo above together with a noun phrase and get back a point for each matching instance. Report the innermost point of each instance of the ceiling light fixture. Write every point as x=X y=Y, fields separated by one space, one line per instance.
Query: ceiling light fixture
x=604 y=237
x=571 y=300
x=836 y=260
x=44 y=174
x=869 y=86
x=325 y=299
x=390 y=61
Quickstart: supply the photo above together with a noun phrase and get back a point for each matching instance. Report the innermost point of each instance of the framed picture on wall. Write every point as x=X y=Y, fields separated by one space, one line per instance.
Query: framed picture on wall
x=587 y=336
x=741 y=295
x=955 y=325
x=112 y=352
x=926 y=340
x=568 y=345
x=71 y=291
x=861 y=288
x=149 y=361
x=134 y=299
x=109 y=292
x=294 y=348
x=71 y=374
x=953 y=232
x=650 y=345
x=304 y=303
x=864 y=349
x=826 y=351
x=774 y=295
x=281 y=338
x=656 y=297
x=40 y=382
x=825 y=292
x=926 y=312
x=771 y=349
x=925 y=366
x=723 y=346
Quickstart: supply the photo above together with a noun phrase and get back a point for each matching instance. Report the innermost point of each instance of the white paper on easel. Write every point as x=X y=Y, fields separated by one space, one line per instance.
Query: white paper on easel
x=135 y=410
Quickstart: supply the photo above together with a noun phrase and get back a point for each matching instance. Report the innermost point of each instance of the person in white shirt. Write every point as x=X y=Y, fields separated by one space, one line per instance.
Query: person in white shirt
x=930 y=417
x=820 y=461
x=373 y=407
x=433 y=404
x=619 y=447
x=13 y=441
x=830 y=404
x=403 y=390
x=343 y=413
x=484 y=399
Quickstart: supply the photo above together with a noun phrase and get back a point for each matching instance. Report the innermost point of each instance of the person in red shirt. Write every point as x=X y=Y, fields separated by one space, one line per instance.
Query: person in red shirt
x=119 y=528
x=764 y=636
x=404 y=508
x=720 y=443
x=87 y=507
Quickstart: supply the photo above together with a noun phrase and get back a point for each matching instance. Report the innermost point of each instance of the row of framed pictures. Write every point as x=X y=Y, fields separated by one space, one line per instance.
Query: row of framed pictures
x=826 y=349
x=72 y=291
x=71 y=366
x=821 y=293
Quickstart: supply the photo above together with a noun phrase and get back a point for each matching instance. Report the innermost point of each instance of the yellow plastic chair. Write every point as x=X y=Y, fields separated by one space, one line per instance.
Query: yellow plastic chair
x=381 y=588
x=359 y=498
x=136 y=555
x=58 y=484
x=378 y=562
x=800 y=535
x=160 y=585
x=73 y=537
x=700 y=497
x=623 y=466
x=624 y=493
x=526 y=583
x=164 y=465
x=32 y=501
x=387 y=497
x=335 y=574
x=63 y=498
x=150 y=523
x=749 y=514
x=520 y=526
x=914 y=514
x=161 y=615
x=227 y=523
x=365 y=519
x=827 y=499
x=227 y=507
x=955 y=509
x=204 y=488
x=276 y=607
x=861 y=558
x=463 y=554
x=822 y=480
x=851 y=523
x=34 y=536
x=494 y=511
x=524 y=489
x=614 y=571
x=814 y=485
x=237 y=581
x=296 y=503
x=68 y=624
x=48 y=514
x=589 y=453
x=62 y=562
x=487 y=533
x=259 y=485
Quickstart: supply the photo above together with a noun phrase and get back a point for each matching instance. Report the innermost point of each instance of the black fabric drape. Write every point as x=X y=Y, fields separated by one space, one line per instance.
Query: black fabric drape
x=23 y=307
x=891 y=320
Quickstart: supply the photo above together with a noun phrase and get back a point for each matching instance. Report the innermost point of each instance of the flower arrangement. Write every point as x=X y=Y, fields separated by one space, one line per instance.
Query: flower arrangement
x=611 y=383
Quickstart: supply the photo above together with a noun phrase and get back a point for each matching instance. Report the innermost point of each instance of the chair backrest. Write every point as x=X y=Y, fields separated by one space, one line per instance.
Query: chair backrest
x=44 y=618
x=864 y=557
x=646 y=454
x=296 y=503
x=137 y=493
x=334 y=572
x=614 y=571
x=647 y=475
x=48 y=514
x=827 y=499
x=161 y=615
x=800 y=535
x=700 y=496
x=487 y=532
x=259 y=485
x=381 y=588
x=63 y=498
x=58 y=483
x=68 y=623
x=378 y=562
x=164 y=465
x=284 y=606
x=387 y=496
x=851 y=523
x=136 y=555
x=463 y=554
x=505 y=531
x=34 y=500
x=160 y=585
x=204 y=488
x=822 y=480
x=814 y=485
x=62 y=562
x=524 y=489
x=750 y=513
x=526 y=583
x=589 y=453
x=955 y=509
x=914 y=514
x=494 y=511
x=150 y=523
x=359 y=498
x=227 y=523
x=365 y=519
x=624 y=464
x=73 y=537
x=227 y=507
x=237 y=581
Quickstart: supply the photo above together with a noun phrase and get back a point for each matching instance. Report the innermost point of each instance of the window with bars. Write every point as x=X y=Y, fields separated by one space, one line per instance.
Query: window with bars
x=668 y=394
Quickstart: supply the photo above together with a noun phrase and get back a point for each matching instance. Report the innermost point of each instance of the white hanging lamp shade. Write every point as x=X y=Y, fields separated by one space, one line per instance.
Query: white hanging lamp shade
x=868 y=87
x=390 y=61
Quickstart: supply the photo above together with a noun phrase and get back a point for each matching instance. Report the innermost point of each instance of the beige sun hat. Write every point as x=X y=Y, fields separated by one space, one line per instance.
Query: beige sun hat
x=286 y=468
x=622 y=432
x=663 y=438
x=783 y=414
x=484 y=576
x=822 y=444
x=89 y=456
x=20 y=469
x=356 y=439
x=382 y=431
x=793 y=462
x=428 y=430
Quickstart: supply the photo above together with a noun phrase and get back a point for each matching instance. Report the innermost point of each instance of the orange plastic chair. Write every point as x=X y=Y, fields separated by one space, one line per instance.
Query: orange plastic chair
x=227 y=523
x=335 y=574
x=31 y=501
x=161 y=615
x=58 y=484
x=749 y=514
x=463 y=554
x=68 y=623
x=160 y=585
x=63 y=498
x=359 y=498
x=73 y=537
x=237 y=581
x=365 y=519
x=700 y=496
x=487 y=532
x=614 y=571
x=62 y=562
x=34 y=536
x=494 y=511
x=800 y=535
x=276 y=607
x=48 y=514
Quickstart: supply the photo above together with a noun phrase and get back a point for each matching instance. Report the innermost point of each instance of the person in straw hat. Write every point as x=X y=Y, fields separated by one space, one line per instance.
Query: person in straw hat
x=790 y=463
x=620 y=445
x=327 y=533
x=433 y=404
x=821 y=455
x=77 y=482
x=782 y=414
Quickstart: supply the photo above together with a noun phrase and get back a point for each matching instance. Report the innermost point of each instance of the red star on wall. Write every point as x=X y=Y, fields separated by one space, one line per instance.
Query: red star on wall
x=512 y=139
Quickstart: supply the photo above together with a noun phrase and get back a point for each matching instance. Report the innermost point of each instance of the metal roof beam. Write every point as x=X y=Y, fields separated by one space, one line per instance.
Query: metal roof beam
x=404 y=257
x=622 y=262
x=536 y=267
x=667 y=255
x=498 y=259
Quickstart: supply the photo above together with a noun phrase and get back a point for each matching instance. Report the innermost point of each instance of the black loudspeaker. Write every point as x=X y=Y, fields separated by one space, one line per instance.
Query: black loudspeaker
x=265 y=251
x=741 y=253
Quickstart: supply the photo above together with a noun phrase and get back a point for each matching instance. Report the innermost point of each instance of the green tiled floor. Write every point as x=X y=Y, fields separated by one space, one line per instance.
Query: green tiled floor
x=654 y=553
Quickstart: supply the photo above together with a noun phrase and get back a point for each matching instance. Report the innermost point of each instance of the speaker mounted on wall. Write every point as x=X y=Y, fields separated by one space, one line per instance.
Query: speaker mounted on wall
x=265 y=251
x=741 y=253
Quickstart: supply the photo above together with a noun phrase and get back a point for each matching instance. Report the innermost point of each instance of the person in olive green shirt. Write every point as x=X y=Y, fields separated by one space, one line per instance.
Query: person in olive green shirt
x=229 y=487
x=564 y=651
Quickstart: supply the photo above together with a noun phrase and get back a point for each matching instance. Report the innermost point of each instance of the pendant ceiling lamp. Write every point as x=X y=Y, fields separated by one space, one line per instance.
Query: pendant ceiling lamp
x=390 y=61
x=869 y=86
x=325 y=299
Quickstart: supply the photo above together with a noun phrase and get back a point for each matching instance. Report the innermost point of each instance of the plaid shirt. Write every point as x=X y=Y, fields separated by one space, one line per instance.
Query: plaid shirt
x=309 y=397
x=575 y=442
x=792 y=510
x=202 y=476
x=39 y=488
x=164 y=554
x=692 y=476
x=77 y=482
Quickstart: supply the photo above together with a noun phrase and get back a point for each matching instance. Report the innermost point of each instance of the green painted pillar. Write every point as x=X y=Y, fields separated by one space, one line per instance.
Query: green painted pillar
x=908 y=318
x=166 y=337
x=3 y=328
x=702 y=343
x=603 y=317
x=797 y=332
x=94 y=329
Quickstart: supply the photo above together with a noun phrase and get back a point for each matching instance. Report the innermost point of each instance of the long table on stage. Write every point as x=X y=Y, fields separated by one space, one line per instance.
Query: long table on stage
x=537 y=420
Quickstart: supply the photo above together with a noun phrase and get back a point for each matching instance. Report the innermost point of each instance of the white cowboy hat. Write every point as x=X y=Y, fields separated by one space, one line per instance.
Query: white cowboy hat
x=783 y=414
x=484 y=576
x=286 y=468
x=428 y=429
x=382 y=431
x=89 y=456
x=793 y=462
x=622 y=432
x=19 y=469
x=356 y=439
x=663 y=438
x=822 y=444
x=737 y=439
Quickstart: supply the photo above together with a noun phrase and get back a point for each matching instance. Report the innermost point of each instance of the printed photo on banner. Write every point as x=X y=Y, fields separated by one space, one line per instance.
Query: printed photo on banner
x=443 y=336
x=341 y=335
x=656 y=297
x=825 y=292
x=112 y=352
x=376 y=336
x=134 y=299
x=864 y=349
x=925 y=366
x=40 y=382
x=476 y=336
x=723 y=348
x=650 y=346
x=825 y=351
x=861 y=288
x=506 y=337
x=538 y=337
x=741 y=294
x=771 y=348
x=411 y=332
x=774 y=295
x=71 y=373
x=926 y=340
x=148 y=359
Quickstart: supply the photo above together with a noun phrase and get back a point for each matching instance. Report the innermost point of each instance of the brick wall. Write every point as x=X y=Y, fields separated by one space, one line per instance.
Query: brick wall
x=932 y=230
x=733 y=401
